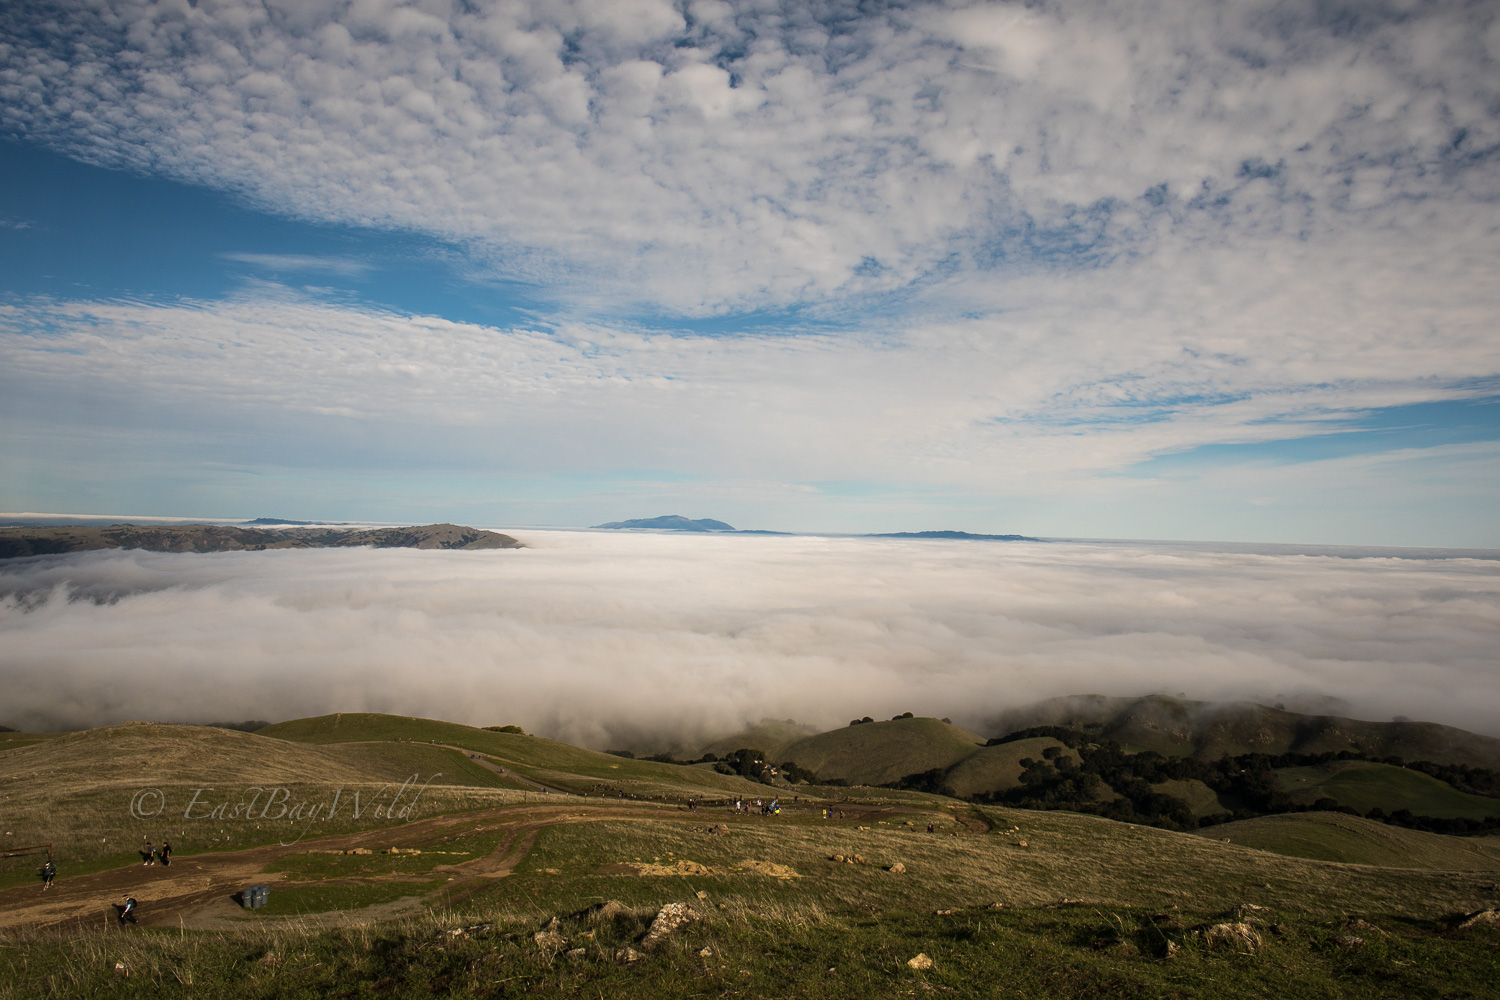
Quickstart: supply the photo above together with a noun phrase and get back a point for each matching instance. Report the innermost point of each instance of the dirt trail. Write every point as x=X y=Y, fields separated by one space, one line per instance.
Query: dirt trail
x=489 y=764
x=200 y=890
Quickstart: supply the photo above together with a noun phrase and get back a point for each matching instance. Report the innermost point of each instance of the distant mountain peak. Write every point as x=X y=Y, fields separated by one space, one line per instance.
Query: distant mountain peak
x=668 y=522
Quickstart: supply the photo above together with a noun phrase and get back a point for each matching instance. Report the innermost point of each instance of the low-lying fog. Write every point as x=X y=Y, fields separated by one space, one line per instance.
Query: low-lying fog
x=604 y=639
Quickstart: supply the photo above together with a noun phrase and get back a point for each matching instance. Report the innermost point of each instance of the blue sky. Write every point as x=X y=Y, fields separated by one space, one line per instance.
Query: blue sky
x=1175 y=271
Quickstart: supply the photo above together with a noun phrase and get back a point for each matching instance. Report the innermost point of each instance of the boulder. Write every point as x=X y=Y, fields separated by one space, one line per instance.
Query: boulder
x=719 y=830
x=627 y=955
x=1481 y=920
x=550 y=936
x=897 y=869
x=1349 y=942
x=1239 y=936
x=920 y=962
x=668 y=919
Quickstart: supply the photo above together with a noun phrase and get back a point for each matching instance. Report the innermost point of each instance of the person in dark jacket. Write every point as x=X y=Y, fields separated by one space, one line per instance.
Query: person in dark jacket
x=49 y=872
x=127 y=912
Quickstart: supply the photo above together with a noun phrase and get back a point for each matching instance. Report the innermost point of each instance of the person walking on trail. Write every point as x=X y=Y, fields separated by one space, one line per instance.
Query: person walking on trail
x=166 y=853
x=149 y=853
x=49 y=872
x=127 y=912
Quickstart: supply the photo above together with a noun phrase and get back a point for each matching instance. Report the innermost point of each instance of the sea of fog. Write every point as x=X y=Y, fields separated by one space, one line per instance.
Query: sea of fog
x=610 y=639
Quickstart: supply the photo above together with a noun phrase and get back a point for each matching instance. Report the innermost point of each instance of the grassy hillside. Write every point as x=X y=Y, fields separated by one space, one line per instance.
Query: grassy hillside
x=558 y=765
x=997 y=768
x=1362 y=786
x=1048 y=905
x=10 y=740
x=1328 y=836
x=1179 y=727
x=1041 y=904
x=770 y=735
x=876 y=753
x=1201 y=799
x=97 y=795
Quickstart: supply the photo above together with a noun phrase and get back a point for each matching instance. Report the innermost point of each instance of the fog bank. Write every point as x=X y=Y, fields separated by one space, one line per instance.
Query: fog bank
x=605 y=639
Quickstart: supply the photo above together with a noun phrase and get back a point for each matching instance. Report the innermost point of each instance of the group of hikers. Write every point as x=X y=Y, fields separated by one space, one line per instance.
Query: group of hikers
x=772 y=808
x=150 y=855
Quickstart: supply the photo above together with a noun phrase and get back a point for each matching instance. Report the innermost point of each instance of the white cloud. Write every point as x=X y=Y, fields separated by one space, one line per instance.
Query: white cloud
x=595 y=637
x=773 y=152
x=1046 y=383
x=299 y=262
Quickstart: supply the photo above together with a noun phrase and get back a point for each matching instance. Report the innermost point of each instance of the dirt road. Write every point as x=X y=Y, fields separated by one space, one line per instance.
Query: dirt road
x=201 y=890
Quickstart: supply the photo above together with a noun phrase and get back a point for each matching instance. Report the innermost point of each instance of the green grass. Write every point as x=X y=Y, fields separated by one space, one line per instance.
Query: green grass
x=1328 y=836
x=79 y=792
x=1362 y=786
x=555 y=764
x=1048 y=904
x=1063 y=951
x=435 y=852
x=12 y=741
x=1177 y=727
x=997 y=768
x=291 y=900
x=1201 y=799
x=876 y=753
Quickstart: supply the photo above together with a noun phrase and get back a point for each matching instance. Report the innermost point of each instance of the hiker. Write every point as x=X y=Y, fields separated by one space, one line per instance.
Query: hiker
x=929 y=827
x=149 y=854
x=166 y=853
x=49 y=872
x=127 y=912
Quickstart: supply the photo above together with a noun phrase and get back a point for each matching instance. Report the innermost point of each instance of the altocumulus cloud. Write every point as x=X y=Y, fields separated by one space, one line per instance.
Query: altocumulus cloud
x=778 y=152
x=601 y=638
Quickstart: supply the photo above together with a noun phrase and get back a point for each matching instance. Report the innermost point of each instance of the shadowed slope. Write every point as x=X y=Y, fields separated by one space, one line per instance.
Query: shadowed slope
x=1329 y=836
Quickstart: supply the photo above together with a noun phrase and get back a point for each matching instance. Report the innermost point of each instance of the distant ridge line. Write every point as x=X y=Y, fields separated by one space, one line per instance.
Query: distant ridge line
x=962 y=535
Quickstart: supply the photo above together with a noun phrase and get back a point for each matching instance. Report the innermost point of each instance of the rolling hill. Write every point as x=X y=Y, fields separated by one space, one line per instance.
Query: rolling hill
x=771 y=736
x=18 y=542
x=1210 y=730
x=1365 y=785
x=877 y=753
x=549 y=762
